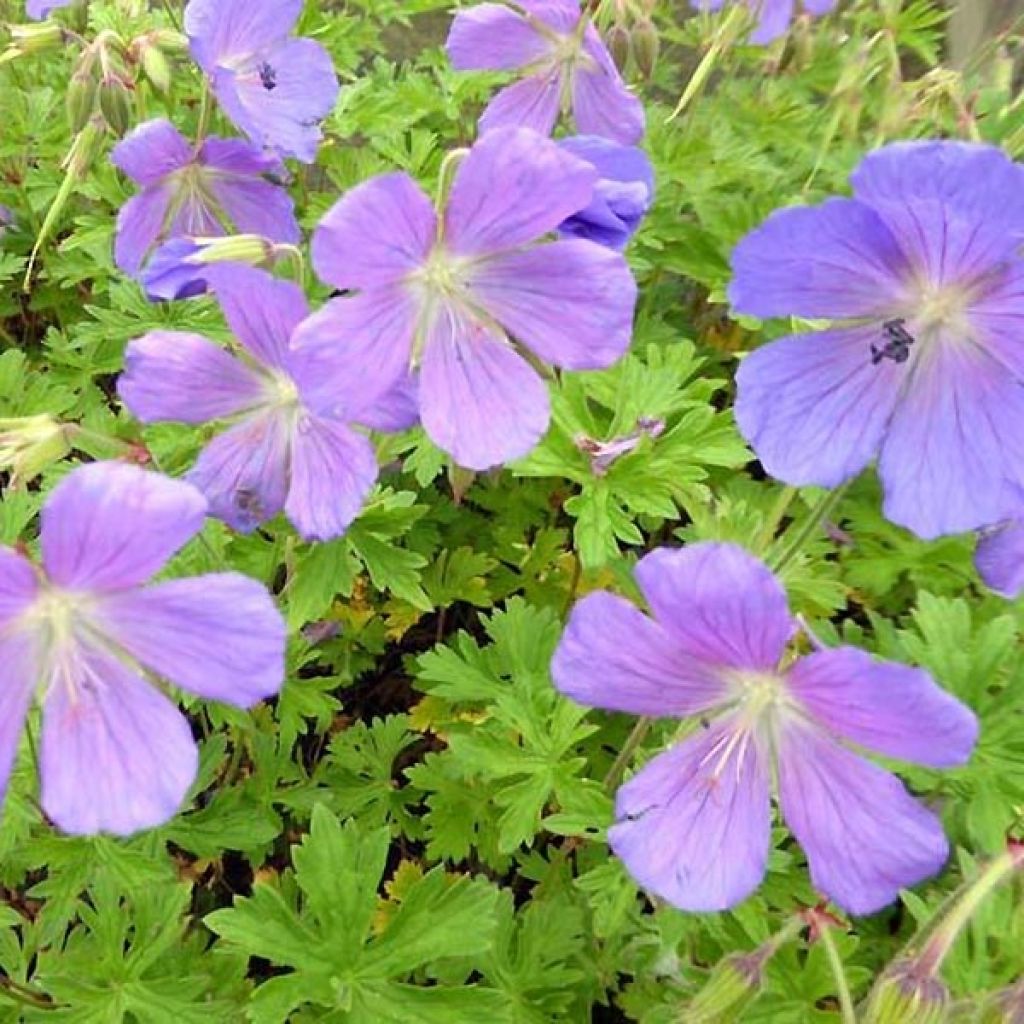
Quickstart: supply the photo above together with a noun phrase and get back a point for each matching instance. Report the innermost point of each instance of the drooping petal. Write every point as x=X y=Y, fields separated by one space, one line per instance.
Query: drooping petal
x=235 y=174
x=354 y=351
x=864 y=835
x=221 y=29
x=333 y=470
x=774 y=19
x=889 y=708
x=953 y=457
x=186 y=378
x=532 y=103
x=999 y=558
x=109 y=525
x=116 y=755
x=244 y=471
x=174 y=273
x=281 y=96
x=261 y=310
x=480 y=401
x=834 y=260
x=614 y=657
x=694 y=824
x=376 y=234
x=571 y=302
x=719 y=603
x=140 y=223
x=814 y=407
x=493 y=37
x=601 y=102
x=219 y=636
x=512 y=187
x=957 y=208
x=152 y=151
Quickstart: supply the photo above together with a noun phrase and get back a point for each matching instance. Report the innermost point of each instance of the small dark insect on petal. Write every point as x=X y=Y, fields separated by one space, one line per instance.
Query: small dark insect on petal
x=268 y=77
x=897 y=345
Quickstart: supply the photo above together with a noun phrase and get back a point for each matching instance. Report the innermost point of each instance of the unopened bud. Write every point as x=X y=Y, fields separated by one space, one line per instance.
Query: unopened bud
x=646 y=46
x=116 y=103
x=251 y=249
x=618 y=41
x=733 y=984
x=81 y=96
x=157 y=67
x=907 y=994
x=85 y=148
x=169 y=41
x=28 y=444
x=30 y=39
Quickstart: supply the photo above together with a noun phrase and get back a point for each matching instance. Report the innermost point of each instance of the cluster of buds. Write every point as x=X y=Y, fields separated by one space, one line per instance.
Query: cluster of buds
x=632 y=36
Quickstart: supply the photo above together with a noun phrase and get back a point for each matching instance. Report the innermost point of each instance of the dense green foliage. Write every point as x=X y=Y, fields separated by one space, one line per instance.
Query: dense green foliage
x=413 y=831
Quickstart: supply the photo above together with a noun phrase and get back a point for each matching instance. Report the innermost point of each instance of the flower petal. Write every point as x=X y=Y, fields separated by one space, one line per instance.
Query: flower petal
x=614 y=657
x=221 y=29
x=18 y=585
x=512 y=187
x=480 y=402
x=244 y=471
x=999 y=558
x=532 y=103
x=172 y=272
x=953 y=457
x=219 y=636
x=694 y=824
x=332 y=473
x=152 y=151
x=186 y=378
x=601 y=103
x=813 y=406
x=834 y=260
x=116 y=755
x=20 y=667
x=109 y=525
x=719 y=603
x=354 y=351
x=376 y=234
x=571 y=301
x=956 y=207
x=889 y=708
x=397 y=409
x=864 y=835
x=286 y=116
x=775 y=16
x=261 y=310
x=140 y=223
x=996 y=318
x=493 y=37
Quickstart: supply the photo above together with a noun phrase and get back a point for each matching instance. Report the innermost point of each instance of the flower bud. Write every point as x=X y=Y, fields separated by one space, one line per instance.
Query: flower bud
x=157 y=68
x=80 y=101
x=28 y=444
x=906 y=994
x=29 y=39
x=646 y=46
x=116 y=103
x=733 y=984
x=619 y=46
x=172 y=43
x=86 y=147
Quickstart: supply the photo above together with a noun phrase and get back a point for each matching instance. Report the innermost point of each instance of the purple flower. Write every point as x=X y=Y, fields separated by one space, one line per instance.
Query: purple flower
x=622 y=196
x=999 y=558
x=445 y=295
x=276 y=88
x=773 y=16
x=179 y=268
x=39 y=9
x=565 y=65
x=924 y=362
x=694 y=823
x=116 y=754
x=290 y=446
x=185 y=192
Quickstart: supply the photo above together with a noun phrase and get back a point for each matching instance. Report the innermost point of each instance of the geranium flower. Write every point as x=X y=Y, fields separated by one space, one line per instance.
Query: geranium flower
x=276 y=88
x=565 y=65
x=200 y=192
x=116 y=754
x=774 y=16
x=622 y=196
x=445 y=294
x=924 y=363
x=694 y=823
x=291 y=446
